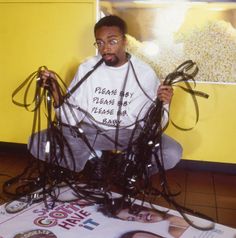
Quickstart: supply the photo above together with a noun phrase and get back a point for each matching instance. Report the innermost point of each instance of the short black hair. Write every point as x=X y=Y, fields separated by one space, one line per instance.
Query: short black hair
x=130 y=234
x=111 y=20
x=113 y=206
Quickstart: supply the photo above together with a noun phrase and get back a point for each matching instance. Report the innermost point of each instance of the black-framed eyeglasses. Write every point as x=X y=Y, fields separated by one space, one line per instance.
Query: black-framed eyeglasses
x=99 y=44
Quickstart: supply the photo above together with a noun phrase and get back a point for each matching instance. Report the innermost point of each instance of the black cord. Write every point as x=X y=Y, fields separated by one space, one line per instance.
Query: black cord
x=129 y=167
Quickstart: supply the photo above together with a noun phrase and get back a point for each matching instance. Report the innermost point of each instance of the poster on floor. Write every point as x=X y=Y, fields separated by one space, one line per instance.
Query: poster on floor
x=79 y=218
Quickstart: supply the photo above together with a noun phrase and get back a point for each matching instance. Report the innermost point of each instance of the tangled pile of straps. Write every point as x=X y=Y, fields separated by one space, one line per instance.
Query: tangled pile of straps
x=125 y=172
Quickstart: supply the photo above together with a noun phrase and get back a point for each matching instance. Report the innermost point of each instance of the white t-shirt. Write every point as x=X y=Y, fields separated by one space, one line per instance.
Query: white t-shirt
x=111 y=95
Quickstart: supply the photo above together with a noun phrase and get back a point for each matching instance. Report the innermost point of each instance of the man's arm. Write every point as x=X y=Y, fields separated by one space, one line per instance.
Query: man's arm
x=165 y=94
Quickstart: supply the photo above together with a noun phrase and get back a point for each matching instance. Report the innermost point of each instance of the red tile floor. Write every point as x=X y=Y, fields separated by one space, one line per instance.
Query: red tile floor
x=211 y=193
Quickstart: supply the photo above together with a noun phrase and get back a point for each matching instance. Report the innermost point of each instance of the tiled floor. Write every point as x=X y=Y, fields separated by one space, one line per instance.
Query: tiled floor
x=211 y=193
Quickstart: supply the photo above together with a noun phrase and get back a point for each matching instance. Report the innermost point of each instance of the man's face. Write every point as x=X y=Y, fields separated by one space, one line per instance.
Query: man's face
x=145 y=216
x=145 y=235
x=111 y=45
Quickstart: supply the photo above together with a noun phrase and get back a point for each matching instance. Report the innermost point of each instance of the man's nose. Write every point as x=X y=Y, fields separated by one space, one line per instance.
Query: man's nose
x=106 y=47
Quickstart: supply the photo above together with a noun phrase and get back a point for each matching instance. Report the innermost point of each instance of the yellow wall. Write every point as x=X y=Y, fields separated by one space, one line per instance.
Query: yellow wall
x=213 y=137
x=58 y=34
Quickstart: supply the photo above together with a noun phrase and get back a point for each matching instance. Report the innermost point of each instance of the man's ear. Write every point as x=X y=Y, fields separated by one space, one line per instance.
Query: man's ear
x=125 y=41
x=125 y=37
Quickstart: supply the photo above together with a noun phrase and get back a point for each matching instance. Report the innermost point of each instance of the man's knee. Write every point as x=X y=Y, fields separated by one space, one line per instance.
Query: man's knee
x=171 y=152
x=174 y=156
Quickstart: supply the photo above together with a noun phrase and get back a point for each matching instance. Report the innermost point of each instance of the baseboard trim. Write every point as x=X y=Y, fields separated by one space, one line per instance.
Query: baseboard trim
x=207 y=166
x=12 y=148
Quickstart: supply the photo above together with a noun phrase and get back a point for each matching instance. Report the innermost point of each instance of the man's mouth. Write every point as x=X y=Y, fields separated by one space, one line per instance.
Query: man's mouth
x=108 y=57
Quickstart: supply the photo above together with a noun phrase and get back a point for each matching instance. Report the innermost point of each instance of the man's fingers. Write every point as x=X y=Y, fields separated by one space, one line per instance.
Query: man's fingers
x=165 y=93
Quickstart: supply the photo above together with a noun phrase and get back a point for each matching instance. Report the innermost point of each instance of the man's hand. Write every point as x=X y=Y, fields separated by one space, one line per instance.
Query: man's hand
x=165 y=93
x=48 y=81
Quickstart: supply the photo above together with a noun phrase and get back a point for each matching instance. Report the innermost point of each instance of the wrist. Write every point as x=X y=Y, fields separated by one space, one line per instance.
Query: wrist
x=58 y=102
